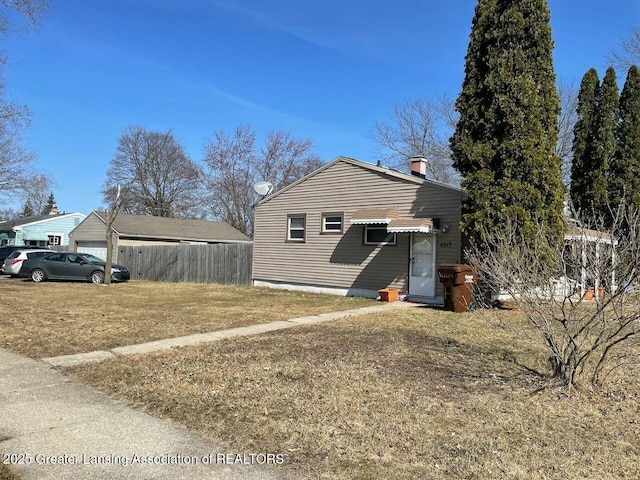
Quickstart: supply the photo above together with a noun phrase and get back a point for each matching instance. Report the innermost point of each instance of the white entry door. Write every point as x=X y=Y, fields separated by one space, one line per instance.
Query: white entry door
x=422 y=278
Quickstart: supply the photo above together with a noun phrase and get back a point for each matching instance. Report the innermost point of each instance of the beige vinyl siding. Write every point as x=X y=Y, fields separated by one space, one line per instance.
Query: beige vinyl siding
x=343 y=261
x=92 y=229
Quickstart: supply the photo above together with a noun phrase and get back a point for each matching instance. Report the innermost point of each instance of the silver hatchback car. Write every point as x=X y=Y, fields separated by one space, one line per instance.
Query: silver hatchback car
x=13 y=263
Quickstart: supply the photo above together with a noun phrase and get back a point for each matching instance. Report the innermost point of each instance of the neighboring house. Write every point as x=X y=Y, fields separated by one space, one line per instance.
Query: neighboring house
x=40 y=230
x=137 y=230
x=352 y=228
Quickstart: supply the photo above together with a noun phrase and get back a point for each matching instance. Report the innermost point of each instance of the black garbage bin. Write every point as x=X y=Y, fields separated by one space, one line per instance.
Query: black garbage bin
x=458 y=280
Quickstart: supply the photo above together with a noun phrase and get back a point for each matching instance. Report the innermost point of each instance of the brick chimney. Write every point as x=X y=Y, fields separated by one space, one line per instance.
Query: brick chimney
x=418 y=166
x=54 y=210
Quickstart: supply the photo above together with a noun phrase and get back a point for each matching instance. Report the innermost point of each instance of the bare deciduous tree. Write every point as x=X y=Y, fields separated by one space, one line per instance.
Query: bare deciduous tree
x=568 y=94
x=163 y=181
x=112 y=210
x=628 y=53
x=283 y=159
x=8 y=214
x=420 y=128
x=37 y=189
x=586 y=340
x=15 y=159
x=29 y=15
x=235 y=163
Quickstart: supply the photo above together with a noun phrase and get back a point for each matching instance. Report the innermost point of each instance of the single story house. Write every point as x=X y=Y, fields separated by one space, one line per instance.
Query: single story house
x=40 y=230
x=138 y=230
x=352 y=228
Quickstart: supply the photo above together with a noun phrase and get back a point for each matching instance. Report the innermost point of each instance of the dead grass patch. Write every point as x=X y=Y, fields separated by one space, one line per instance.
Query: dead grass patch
x=7 y=473
x=59 y=318
x=416 y=393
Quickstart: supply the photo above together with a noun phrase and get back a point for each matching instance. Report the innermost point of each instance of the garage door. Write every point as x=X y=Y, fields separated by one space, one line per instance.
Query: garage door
x=99 y=249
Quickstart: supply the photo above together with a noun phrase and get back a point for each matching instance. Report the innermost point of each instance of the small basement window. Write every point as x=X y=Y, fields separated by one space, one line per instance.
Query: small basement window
x=332 y=222
x=296 y=228
x=374 y=235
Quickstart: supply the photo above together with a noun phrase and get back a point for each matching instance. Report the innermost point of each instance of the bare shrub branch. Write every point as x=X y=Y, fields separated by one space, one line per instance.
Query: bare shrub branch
x=586 y=340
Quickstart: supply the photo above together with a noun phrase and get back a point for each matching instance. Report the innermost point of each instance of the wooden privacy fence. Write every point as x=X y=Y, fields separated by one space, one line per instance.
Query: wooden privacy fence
x=225 y=263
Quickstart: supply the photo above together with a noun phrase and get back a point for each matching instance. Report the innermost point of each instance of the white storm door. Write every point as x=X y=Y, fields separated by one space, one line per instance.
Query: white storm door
x=422 y=280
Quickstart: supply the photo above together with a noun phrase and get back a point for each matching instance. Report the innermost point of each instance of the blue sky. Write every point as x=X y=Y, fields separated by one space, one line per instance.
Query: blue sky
x=322 y=70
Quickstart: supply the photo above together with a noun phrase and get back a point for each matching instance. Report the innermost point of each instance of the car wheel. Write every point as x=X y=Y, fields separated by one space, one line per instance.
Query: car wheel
x=97 y=277
x=38 y=275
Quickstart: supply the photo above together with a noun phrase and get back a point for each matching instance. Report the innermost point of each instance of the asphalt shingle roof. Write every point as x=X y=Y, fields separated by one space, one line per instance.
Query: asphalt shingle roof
x=16 y=222
x=175 y=228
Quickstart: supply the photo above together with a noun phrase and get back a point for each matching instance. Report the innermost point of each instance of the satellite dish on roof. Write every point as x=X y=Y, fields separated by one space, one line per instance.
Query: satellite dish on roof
x=263 y=188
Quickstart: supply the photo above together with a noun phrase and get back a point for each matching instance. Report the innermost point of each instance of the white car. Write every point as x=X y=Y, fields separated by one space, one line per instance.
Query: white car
x=13 y=263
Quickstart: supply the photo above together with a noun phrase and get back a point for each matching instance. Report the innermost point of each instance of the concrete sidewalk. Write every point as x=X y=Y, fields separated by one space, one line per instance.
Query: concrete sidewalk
x=148 y=347
x=69 y=431
x=63 y=430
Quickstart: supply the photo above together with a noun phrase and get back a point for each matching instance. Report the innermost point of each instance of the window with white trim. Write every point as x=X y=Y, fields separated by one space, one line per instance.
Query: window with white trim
x=376 y=235
x=332 y=222
x=55 y=239
x=296 y=225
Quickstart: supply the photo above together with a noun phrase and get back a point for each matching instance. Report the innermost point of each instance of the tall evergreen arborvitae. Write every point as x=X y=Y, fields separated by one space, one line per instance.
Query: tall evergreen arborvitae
x=600 y=151
x=582 y=136
x=504 y=143
x=624 y=172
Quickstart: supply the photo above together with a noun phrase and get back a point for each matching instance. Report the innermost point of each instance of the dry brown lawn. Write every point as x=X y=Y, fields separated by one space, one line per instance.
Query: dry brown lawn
x=409 y=394
x=8 y=474
x=59 y=318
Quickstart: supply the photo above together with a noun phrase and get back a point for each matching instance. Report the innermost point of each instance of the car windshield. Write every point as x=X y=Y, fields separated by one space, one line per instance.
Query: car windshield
x=14 y=254
x=92 y=260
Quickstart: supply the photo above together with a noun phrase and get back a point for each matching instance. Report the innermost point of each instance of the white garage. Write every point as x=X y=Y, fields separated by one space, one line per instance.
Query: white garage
x=98 y=249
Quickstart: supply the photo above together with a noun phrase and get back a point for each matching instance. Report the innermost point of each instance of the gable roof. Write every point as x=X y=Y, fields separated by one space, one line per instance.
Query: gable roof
x=144 y=226
x=8 y=225
x=367 y=166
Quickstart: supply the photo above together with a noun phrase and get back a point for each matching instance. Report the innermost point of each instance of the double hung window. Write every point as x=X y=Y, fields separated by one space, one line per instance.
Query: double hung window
x=296 y=228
